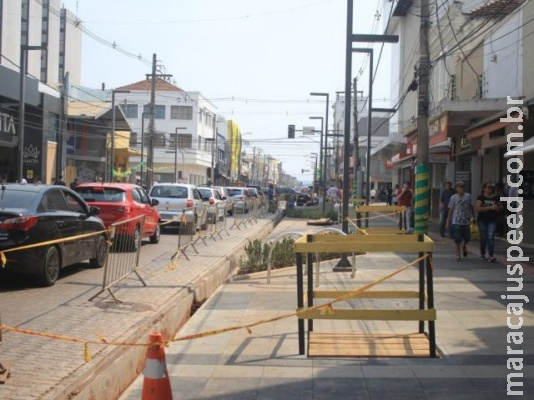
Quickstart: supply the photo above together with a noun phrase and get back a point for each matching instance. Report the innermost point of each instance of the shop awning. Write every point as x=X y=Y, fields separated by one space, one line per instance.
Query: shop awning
x=488 y=125
x=122 y=140
x=528 y=147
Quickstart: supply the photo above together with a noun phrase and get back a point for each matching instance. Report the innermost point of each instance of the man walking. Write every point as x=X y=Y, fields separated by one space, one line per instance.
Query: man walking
x=405 y=199
x=461 y=213
x=444 y=199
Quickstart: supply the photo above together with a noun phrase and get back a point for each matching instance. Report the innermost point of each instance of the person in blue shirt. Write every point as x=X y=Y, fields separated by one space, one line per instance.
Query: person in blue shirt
x=444 y=199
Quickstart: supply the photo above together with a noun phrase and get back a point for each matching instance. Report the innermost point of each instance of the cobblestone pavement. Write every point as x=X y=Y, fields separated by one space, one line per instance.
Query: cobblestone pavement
x=264 y=364
x=43 y=367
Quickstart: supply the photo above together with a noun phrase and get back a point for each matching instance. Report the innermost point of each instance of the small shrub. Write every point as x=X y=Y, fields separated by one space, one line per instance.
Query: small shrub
x=258 y=255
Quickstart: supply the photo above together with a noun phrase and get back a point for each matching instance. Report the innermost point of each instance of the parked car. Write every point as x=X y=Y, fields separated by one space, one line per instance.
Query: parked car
x=177 y=200
x=119 y=202
x=227 y=198
x=31 y=214
x=213 y=200
x=241 y=198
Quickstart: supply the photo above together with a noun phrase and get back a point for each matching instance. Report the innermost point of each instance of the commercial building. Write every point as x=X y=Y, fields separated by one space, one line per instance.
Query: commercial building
x=49 y=39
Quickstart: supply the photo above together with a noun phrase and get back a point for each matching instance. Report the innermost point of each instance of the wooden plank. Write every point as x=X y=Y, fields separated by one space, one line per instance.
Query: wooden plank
x=370 y=294
x=377 y=209
x=333 y=344
x=355 y=247
x=385 y=231
x=369 y=315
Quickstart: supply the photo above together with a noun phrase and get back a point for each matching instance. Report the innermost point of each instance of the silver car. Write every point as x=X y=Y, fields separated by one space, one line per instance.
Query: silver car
x=213 y=200
x=242 y=198
x=227 y=198
x=177 y=200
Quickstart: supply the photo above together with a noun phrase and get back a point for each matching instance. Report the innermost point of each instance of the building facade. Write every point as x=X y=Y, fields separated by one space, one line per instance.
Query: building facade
x=34 y=146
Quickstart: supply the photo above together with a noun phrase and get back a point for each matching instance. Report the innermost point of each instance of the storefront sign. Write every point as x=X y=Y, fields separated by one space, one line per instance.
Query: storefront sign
x=31 y=155
x=438 y=130
x=7 y=124
x=465 y=144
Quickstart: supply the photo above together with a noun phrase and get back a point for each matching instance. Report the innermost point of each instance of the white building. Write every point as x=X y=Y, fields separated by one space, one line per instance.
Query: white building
x=185 y=132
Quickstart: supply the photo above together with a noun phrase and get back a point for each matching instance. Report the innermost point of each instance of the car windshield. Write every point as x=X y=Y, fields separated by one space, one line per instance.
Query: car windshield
x=175 y=192
x=101 y=194
x=16 y=198
x=235 y=192
x=205 y=193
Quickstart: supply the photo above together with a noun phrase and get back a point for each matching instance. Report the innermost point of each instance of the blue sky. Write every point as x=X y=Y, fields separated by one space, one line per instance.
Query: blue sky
x=266 y=56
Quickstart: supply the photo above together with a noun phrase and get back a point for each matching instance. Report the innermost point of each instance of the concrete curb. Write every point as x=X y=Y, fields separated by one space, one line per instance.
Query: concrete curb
x=119 y=366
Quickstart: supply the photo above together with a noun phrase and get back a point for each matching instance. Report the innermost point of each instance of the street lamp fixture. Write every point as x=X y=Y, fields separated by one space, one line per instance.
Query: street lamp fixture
x=112 y=155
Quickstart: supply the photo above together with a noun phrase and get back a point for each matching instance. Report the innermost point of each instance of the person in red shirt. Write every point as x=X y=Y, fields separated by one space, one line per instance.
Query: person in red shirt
x=405 y=198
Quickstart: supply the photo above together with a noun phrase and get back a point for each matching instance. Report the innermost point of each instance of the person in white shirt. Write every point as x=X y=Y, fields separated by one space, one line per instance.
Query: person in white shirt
x=373 y=194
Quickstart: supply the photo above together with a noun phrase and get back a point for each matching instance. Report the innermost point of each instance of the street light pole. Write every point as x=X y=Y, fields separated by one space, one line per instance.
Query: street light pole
x=323 y=173
x=323 y=163
x=142 y=144
x=112 y=155
x=22 y=106
x=176 y=153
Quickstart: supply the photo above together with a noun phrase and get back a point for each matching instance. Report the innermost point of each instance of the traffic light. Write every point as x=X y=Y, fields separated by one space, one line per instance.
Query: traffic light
x=291 y=131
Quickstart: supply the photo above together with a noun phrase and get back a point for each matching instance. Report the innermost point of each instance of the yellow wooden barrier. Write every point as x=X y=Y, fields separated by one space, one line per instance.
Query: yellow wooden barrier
x=309 y=245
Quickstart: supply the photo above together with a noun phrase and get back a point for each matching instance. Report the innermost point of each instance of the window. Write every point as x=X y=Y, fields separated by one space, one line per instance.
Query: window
x=185 y=140
x=53 y=201
x=73 y=203
x=143 y=198
x=182 y=112
x=159 y=110
x=130 y=110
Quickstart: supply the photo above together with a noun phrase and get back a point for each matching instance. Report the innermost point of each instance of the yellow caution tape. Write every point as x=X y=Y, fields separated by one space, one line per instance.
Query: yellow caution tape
x=323 y=308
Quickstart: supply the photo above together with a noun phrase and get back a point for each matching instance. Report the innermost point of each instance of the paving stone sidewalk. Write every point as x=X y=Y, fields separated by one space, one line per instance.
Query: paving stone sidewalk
x=45 y=369
x=264 y=364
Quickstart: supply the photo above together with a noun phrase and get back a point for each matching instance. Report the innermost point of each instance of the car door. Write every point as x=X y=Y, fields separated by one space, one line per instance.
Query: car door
x=151 y=215
x=79 y=208
x=68 y=224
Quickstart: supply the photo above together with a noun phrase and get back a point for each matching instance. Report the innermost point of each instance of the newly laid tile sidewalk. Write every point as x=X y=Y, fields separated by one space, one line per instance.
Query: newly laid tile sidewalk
x=264 y=364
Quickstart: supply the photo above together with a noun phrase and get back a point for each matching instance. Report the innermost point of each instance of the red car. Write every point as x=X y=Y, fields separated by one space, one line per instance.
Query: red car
x=120 y=202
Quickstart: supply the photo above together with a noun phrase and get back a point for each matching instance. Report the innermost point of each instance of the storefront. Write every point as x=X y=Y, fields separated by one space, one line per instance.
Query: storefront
x=41 y=127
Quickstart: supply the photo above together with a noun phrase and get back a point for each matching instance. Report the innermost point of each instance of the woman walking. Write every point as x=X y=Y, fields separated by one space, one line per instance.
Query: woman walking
x=488 y=208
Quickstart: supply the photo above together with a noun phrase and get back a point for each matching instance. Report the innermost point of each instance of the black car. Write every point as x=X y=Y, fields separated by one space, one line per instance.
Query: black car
x=32 y=214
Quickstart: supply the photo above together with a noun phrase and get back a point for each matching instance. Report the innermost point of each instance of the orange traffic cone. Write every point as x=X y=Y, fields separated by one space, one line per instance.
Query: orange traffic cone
x=156 y=385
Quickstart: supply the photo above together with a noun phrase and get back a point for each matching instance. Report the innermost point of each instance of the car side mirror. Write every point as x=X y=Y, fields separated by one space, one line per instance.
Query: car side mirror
x=94 y=211
x=154 y=202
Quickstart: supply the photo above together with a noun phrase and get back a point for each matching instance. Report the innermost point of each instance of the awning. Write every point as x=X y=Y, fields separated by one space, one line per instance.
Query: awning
x=122 y=140
x=528 y=147
x=489 y=125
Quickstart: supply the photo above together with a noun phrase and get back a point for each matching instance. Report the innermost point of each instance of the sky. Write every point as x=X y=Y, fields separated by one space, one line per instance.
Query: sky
x=257 y=61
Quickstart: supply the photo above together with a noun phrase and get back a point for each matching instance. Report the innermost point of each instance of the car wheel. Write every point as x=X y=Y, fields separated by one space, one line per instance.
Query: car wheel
x=134 y=240
x=204 y=226
x=101 y=253
x=51 y=267
x=191 y=227
x=154 y=239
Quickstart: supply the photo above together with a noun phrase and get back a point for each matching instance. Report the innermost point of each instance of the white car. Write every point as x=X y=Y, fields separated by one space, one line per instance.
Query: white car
x=213 y=200
x=242 y=198
x=177 y=200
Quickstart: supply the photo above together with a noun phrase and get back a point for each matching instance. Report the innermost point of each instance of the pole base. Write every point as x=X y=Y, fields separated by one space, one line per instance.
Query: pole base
x=343 y=265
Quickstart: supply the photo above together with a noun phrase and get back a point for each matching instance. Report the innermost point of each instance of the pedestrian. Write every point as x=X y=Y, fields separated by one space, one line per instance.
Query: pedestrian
x=461 y=214
x=396 y=192
x=444 y=199
x=270 y=195
x=502 y=226
x=332 y=193
x=74 y=183
x=390 y=196
x=59 y=181
x=488 y=207
x=373 y=195
x=405 y=199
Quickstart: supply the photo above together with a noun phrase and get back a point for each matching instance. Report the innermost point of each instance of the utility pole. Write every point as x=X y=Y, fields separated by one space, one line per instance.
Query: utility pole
x=356 y=150
x=152 y=124
x=253 y=167
x=422 y=192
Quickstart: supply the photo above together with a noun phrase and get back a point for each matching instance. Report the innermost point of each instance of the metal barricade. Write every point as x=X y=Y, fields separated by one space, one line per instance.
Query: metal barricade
x=5 y=366
x=124 y=248
x=222 y=215
x=239 y=214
